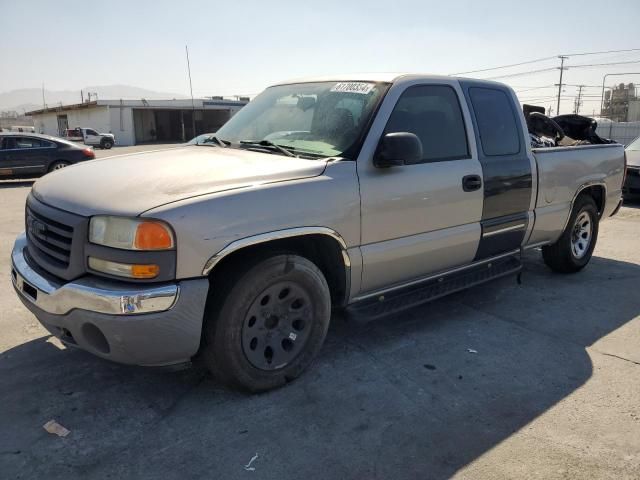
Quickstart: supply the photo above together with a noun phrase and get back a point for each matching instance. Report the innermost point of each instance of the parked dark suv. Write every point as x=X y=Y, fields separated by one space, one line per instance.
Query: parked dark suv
x=30 y=154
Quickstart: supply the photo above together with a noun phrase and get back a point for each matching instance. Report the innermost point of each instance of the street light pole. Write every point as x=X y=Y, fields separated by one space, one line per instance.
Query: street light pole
x=193 y=107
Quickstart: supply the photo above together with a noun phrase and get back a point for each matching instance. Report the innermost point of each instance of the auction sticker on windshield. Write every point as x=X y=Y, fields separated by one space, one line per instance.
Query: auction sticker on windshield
x=353 y=87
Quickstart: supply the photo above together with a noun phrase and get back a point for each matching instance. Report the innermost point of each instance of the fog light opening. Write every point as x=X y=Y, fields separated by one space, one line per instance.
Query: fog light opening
x=95 y=338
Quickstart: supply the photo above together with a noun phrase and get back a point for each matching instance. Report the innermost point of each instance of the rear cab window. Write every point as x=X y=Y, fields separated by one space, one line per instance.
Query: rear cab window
x=496 y=120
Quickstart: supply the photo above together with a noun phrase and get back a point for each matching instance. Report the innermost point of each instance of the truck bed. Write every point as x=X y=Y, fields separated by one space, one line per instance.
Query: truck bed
x=562 y=172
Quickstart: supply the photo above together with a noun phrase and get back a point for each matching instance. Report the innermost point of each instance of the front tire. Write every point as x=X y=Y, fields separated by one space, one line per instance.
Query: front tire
x=269 y=325
x=573 y=250
x=106 y=144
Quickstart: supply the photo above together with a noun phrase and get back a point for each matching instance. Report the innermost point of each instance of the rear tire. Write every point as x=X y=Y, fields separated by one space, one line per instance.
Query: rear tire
x=58 y=165
x=267 y=326
x=573 y=250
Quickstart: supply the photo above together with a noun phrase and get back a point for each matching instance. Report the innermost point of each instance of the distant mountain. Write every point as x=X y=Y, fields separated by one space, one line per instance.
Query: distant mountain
x=27 y=99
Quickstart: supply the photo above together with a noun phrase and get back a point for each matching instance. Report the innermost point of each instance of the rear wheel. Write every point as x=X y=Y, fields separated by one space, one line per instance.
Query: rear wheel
x=267 y=328
x=574 y=248
x=58 y=165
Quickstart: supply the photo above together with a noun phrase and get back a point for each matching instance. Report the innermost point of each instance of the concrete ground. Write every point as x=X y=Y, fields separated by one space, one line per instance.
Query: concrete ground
x=552 y=392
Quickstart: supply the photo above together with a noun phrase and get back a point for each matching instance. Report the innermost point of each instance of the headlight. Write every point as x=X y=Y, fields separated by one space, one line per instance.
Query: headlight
x=130 y=233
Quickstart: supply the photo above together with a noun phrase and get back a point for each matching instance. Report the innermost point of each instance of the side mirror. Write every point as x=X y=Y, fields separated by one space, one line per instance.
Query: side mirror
x=398 y=148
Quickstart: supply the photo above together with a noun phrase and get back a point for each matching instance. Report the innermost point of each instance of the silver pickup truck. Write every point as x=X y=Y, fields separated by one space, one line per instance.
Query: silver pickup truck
x=370 y=193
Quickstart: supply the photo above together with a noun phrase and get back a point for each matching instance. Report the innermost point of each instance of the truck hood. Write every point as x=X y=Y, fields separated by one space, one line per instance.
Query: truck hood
x=132 y=184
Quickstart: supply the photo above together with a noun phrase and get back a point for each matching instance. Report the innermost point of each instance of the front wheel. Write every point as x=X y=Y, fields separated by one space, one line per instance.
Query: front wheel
x=106 y=144
x=574 y=248
x=267 y=328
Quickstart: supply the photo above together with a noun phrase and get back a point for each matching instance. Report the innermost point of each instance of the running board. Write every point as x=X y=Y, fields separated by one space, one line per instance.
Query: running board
x=409 y=297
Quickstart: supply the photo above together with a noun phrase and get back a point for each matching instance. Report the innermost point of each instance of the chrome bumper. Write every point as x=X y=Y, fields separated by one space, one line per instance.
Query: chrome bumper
x=104 y=316
x=88 y=293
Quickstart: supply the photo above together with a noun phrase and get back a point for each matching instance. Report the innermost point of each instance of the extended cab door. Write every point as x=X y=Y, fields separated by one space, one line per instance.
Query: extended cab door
x=421 y=218
x=507 y=164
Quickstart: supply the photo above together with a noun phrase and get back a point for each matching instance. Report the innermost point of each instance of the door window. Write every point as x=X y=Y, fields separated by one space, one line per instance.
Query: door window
x=433 y=114
x=91 y=132
x=28 y=142
x=496 y=121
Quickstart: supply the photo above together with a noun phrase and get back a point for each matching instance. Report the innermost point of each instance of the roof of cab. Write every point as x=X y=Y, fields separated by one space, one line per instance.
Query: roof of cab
x=388 y=77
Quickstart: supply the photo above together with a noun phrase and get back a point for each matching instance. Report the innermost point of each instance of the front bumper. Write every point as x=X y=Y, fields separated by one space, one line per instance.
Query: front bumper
x=125 y=322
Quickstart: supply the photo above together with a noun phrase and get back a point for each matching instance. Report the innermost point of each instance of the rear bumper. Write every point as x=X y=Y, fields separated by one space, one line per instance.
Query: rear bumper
x=124 y=322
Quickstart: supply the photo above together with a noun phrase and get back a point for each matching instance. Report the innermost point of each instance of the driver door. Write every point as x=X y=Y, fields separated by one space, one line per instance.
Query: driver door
x=91 y=137
x=422 y=218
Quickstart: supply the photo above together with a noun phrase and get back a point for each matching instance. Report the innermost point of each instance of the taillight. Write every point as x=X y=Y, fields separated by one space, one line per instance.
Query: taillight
x=89 y=153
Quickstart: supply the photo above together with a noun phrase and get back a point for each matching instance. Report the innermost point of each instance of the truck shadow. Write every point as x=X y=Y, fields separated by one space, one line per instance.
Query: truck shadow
x=417 y=395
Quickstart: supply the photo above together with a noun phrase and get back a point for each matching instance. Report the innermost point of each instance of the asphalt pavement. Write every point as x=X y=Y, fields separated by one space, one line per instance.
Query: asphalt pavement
x=538 y=380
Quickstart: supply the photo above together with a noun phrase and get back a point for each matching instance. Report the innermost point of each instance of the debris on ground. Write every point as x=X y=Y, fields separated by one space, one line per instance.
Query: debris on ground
x=248 y=465
x=471 y=350
x=55 y=428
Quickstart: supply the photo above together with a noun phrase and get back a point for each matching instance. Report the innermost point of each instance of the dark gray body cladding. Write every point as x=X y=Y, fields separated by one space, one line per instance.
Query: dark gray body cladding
x=505 y=166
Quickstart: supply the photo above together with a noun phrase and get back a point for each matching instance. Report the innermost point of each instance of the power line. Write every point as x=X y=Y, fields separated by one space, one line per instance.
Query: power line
x=602 y=64
x=528 y=62
x=519 y=74
x=598 y=53
x=505 y=66
x=534 y=88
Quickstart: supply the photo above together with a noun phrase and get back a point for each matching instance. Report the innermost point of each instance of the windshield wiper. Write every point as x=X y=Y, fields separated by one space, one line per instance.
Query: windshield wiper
x=216 y=140
x=268 y=143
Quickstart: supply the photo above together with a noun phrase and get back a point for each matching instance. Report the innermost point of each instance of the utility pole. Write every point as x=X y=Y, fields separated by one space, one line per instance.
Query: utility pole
x=562 y=59
x=193 y=107
x=44 y=104
x=576 y=110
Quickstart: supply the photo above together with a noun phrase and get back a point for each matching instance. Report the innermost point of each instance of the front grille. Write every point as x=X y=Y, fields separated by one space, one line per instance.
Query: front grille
x=52 y=239
x=55 y=239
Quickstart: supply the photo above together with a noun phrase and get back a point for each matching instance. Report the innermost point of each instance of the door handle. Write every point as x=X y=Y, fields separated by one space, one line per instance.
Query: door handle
x=471 y=183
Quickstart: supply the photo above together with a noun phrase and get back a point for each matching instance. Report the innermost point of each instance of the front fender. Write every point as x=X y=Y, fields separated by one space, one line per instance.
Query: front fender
x=207 y=224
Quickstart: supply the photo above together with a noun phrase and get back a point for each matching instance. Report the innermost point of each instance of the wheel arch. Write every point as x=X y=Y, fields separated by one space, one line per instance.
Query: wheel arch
x=321 y=245
x=597 y=191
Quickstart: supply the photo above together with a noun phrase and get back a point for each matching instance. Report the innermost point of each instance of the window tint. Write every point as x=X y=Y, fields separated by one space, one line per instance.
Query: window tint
x=91 y=132
x=496 y=121
x=432 y=113
x=28 y=142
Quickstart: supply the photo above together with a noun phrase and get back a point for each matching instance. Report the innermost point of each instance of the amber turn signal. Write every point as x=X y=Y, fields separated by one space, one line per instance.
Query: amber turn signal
x=153 y=236
x=145 y=271
x=124 y=269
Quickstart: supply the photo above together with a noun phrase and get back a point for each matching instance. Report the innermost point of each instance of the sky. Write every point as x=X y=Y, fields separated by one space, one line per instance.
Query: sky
x=240 y=47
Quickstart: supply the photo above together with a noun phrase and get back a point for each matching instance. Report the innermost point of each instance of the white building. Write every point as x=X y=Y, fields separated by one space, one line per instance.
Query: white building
x=139 y=121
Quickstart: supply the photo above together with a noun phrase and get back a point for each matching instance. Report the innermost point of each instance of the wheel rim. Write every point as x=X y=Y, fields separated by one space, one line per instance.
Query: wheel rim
x=58 y=166
x=581 y=235
x=277 y=326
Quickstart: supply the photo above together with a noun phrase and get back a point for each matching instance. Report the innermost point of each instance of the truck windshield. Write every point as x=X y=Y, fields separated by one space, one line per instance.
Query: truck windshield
x=320 y=119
